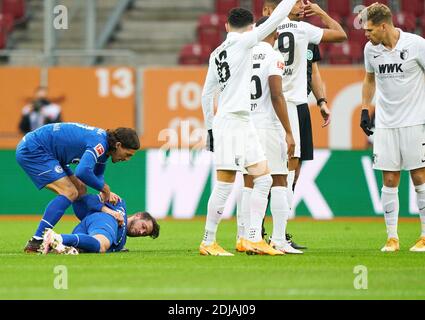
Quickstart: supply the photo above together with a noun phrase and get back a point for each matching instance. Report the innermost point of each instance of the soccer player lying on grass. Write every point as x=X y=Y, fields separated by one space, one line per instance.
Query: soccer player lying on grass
x=104 y=227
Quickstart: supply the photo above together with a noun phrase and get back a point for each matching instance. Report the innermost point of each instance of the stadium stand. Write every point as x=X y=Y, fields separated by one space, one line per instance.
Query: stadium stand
x=194 y=54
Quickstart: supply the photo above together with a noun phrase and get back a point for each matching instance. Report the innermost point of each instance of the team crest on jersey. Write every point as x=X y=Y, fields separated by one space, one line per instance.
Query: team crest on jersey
x=374 y=158
x=58 y=169
x=309 y=55
x=281 y=65
x=237 y=160
x=99 y=150
x=404 y=54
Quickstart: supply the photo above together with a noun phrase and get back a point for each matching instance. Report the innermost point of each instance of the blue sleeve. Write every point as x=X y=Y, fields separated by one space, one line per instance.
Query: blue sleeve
x=85 y=171
x=86 y=205
x=68 y=170
x=99 y=169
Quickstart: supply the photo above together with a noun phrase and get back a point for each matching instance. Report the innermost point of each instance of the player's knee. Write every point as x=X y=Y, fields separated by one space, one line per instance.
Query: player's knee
x=264 y=182
x=71 y=193
x=82 y=190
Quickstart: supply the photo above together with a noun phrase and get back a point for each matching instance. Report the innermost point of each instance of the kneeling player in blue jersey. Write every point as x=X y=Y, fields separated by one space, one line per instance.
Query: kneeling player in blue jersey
x=104 y=227
x=45 y=155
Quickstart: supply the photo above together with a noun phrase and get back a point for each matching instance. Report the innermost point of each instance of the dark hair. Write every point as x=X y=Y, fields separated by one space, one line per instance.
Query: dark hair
x=240 y=18
x=127 y=136
x=261 y=21
x=156 y=227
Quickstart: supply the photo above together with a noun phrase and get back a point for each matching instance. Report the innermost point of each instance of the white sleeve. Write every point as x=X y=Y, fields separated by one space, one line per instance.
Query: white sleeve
x=368 y=66
x=276 y=65
x=421 y=52
x=210 y=88
x=314 y=34
x=251 y=38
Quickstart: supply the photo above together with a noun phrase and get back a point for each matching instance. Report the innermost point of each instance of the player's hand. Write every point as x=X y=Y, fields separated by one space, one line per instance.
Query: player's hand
x=326 y=114
x=312 y=9
x=290 y=142
x=365 y=122
x=210 y=141
x=114 y=198
x=105 y=193
x=119 y=217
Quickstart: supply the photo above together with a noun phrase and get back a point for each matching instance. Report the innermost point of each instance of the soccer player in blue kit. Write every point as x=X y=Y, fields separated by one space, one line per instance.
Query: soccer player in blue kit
x=45 y=155
x=104 y=227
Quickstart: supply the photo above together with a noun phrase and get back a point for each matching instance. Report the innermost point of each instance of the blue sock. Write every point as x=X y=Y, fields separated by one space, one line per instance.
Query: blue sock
x=81 y=241
x=54 y=211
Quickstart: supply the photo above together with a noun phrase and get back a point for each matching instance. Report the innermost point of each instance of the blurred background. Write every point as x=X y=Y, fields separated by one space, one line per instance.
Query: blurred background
x=142 y=64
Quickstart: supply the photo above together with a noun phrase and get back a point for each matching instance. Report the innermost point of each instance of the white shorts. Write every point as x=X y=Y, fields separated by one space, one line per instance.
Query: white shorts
x=295 y=127
x=236 y=143
x=399 y=148
x=274 y=145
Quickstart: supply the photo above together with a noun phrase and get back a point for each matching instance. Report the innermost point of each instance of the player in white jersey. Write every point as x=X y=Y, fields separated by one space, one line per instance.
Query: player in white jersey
x=235 y=141
x=395 y=64
x=294 y=38
x=270 y=117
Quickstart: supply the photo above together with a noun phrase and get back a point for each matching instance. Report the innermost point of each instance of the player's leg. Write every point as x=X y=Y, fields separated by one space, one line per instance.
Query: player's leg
x=387 y=158
x=244 y=213
x=79 y=185
x=418 y=178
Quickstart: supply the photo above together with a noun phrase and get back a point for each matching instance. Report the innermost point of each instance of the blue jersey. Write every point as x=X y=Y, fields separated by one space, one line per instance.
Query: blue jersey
x=94 y=222
x=45 y=153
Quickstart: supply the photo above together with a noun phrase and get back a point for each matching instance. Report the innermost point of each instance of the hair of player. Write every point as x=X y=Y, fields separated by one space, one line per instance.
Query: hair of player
x=272 y=3
x=147 y=216
x=127 y=136
x=379 y=13
x=261 y=21
x=239 y=18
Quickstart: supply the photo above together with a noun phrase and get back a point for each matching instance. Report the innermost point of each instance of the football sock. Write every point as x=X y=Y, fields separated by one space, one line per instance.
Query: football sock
x=216 y=205
x=244 y=212
x=290 y=192
x=391 y=207
x=81 y=241
x=258 y=205
x=54 y=211
x=280 y=212
x=420 y=198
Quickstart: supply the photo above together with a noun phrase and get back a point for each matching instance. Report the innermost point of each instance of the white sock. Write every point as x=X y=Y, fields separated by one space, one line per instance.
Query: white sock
x=290 y=192
x=246 y=210
x=420 y=198
x=239 y=217
x=280 y=212
x=258 y=205
x=216 y=205
x=391 y=207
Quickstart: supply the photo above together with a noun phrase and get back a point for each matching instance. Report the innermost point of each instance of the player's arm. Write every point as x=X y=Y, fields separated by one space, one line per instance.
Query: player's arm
x=264 y=30
x=280 y=107
x=368 y=91
x=208 y=94
x=319 y=92
x=85 y=172
x=421 y=52
x=334 y=32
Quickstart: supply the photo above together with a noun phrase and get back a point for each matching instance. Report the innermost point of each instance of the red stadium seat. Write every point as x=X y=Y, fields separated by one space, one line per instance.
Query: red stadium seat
x=3 y=37
x=342 y=8
x=224 y=6
x=316 y=21
x=422 y=24
x=345 y=53
x=6 y=20
x=415 y=7
x=211 y=28
x=194 y=54
x=405 y=20
x=369 y=2
x=16 y=8
x=257 y=8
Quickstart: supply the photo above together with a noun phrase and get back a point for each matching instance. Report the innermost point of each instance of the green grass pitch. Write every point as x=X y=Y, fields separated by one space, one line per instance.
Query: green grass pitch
x=170 y=267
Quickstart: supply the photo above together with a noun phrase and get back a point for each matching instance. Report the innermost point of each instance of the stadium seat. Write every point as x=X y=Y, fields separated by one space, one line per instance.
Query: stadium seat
x=345 y=53
x=257 y=8
x=422 y=24
x=316 y=21
x=342 y=8
x=415 y=7
x=369 y=2
x=211 y=28
x=224 y=6
x=406 y=21
x=194 y=54
x=6 y=20
x=16 y=8
x=3 y=37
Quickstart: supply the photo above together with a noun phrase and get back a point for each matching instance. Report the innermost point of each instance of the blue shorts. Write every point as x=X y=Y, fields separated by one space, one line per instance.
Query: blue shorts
x=39 y=164
x=99 y=223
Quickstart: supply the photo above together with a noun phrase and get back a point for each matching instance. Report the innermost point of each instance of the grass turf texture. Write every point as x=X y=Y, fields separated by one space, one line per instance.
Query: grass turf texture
x=170 y=267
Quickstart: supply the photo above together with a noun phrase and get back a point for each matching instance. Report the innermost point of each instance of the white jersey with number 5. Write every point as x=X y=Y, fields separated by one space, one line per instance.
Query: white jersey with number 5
x=294 y=37
x=266 y=62
x=400 y=81
x=230 y=68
